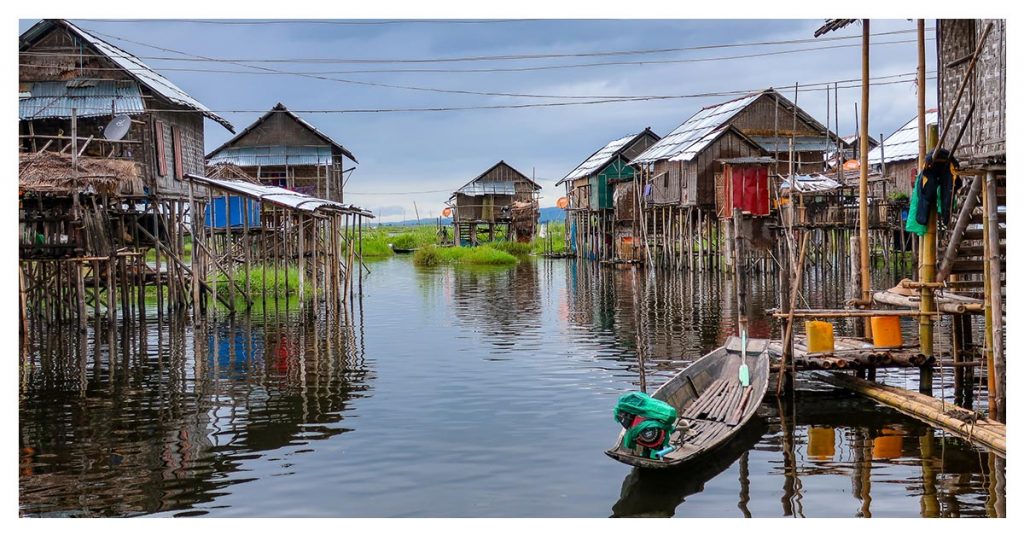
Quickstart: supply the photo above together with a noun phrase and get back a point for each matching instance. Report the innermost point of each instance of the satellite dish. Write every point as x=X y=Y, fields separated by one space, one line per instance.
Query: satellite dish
x=118 y=127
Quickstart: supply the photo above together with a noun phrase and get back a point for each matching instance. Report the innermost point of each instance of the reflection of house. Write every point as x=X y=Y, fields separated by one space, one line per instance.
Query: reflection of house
x=595 y=188
x=896 y=157
x=499 y=198
x=282 y=149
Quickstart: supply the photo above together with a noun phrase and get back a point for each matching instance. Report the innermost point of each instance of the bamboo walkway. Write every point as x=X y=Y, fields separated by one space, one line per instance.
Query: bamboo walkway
x=952 y=418
x=852 y=353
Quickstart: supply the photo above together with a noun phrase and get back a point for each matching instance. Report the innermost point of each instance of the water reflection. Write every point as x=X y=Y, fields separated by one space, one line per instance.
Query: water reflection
x=163 y=419
x=491 y=391
x=809 y=440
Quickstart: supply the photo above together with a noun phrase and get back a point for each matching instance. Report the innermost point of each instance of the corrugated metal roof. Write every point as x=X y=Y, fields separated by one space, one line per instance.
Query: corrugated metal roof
x=479 y=188
x=599 y=159
x=902 y=144
x=279 y=196
x=686 y=141
x=89 y=98
x=278 y=155
x=800 y=143
x=134 y=66
x=814 y=182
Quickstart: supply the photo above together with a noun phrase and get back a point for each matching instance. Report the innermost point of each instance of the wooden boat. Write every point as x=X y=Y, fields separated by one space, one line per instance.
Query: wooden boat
x=658 y=493
x=403 y=250
x=712 y=404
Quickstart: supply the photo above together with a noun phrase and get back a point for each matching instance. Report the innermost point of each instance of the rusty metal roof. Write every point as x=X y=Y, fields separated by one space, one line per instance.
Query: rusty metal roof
x=127 y=61
x=89 y=98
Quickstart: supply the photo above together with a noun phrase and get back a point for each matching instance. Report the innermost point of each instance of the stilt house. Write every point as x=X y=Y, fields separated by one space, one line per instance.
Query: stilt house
x=895 y=158
x=97 y=124
x=598 y=191
x=282 y=149
x=499 y=198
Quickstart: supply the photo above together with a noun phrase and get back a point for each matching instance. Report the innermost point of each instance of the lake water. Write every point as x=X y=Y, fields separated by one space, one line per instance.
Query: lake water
x=459 y=392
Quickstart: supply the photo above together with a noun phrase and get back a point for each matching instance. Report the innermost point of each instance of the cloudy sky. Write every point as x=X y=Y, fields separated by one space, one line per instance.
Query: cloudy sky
x=407 y=156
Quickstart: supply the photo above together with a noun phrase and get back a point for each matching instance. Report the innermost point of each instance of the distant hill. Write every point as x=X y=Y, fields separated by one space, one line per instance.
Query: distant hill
x=547 y=214
x=551 y=214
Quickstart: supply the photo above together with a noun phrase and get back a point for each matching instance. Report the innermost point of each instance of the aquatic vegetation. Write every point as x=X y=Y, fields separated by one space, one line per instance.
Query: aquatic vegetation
x=481 y=255
x=519 y=249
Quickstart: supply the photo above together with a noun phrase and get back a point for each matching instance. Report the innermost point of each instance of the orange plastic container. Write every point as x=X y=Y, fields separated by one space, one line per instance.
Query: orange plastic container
x=886 y=331
x=819 y=336
x=821 y=443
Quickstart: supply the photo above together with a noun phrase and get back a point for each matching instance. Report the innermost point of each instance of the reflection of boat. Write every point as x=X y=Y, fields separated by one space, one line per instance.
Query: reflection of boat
x=712 y=404
x=647 y=493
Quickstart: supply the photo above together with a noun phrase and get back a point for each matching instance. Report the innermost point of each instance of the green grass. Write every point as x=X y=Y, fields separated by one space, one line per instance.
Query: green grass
x=556 y=235
x=287 y=281
x=482 y=255
x=519 y=249
x=375 y=241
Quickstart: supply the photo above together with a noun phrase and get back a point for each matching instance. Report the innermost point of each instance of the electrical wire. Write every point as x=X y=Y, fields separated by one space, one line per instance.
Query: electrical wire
x=504 y=69
x=517 y=57
x=803 y=89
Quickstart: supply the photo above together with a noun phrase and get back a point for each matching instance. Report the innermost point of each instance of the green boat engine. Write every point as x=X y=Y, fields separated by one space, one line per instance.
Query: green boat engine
x=649 y=422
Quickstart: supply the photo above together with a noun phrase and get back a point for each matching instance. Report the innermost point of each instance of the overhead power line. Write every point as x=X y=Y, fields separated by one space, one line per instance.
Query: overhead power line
x=321 y=22
x=516 y=57
x=378 y=84
x=508 y=69
x=804 y=88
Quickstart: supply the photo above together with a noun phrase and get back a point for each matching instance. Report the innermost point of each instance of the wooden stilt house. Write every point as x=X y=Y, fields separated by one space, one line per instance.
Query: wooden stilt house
x=282 y=149
x=596 y=190
x=105 y=143
x=501 y=198
x=682 y=174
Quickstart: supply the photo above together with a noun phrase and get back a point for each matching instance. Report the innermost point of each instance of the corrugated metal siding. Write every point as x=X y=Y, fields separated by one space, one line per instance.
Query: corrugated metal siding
x=274 y=156
x=55 y=99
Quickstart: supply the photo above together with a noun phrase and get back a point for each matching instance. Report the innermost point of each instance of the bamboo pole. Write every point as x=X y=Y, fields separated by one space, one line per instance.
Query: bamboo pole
x=987 y=432
x=993 y=274
x=787 y=340
x=987 y=202
x=926 y=275
x=865 y=268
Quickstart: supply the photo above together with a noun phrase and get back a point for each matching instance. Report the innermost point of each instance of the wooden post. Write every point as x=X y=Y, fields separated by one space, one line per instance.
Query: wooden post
x=865 y=268
x=926 y=275
x=994 y=276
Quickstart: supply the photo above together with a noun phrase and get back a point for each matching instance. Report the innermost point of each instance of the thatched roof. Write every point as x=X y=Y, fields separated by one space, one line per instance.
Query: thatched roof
x=53 y=173
x=229 y=171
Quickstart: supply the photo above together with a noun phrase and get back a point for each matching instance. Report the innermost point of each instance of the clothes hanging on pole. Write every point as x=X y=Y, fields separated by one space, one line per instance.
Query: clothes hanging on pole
x=933 y=191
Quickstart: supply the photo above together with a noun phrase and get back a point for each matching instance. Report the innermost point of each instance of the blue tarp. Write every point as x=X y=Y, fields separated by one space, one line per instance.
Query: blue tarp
x=219 y=218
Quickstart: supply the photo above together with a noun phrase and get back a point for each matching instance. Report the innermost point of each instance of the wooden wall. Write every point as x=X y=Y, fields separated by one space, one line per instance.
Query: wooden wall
x=985 y=138
x=698 y=175
x=69 y=58
x=276 y=130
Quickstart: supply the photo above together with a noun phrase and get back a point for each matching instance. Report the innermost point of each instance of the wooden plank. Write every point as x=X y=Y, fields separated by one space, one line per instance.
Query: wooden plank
x=704 y=400
x=740 y=410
